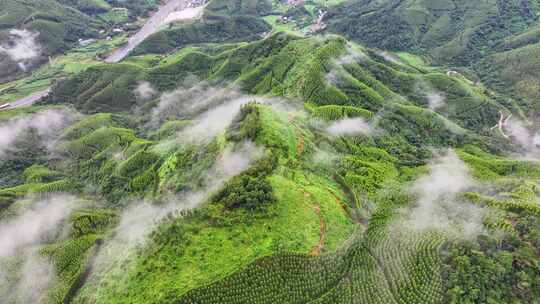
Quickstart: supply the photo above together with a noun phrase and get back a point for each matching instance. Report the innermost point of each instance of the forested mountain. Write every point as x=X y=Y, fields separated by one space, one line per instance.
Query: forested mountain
x=252 y=151
x=460 y=32
x=32 y=31
x=499 y=40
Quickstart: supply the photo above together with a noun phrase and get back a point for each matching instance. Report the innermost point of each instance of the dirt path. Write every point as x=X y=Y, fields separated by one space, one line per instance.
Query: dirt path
x=300 y=145
x=316 y=250
x=345 y=208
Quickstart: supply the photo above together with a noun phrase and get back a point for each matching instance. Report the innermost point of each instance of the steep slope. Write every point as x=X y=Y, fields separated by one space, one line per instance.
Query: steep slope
x=281 y=66
x=222 y=21
x=460 y=32
x=497 y=40
x=515 y=72
x=31 y=31
x=283 y=170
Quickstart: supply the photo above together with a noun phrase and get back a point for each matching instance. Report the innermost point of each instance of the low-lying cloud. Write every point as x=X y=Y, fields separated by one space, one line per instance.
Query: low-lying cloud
x=214 y=121
x=349 y=127
x=389 y=57
x=438 y=207
x=353 y=55
x=184 y=103
x=332 y=77
x=20 y=237
x=144 y=91
x=136 y=222
x=435 y=100
x=39 y=223
x=325 y=156
x=524 y=136
x=31 y=282
x=22 y=47
x=47 y=124
x=142 y=218
x=234 y=160
x=211 y=110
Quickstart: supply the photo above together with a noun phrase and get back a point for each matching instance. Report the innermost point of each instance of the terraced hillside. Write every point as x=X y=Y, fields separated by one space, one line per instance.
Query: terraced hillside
x=221 y=21
x=281 y=169
x=457 y=31
x=497 y=39
x=32 y=31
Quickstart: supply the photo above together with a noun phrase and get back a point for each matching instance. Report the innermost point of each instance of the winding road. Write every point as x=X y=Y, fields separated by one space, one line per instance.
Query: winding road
x=151 y=26
x=29 y=100
x=158 y=19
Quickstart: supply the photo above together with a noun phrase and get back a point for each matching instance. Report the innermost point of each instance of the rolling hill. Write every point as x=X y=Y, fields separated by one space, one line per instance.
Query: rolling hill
x=498 y=40
x=52 y=27
x=218 y=165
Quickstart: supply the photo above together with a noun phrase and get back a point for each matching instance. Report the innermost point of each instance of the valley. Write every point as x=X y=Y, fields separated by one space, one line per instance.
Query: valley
x=160 y=18
x=257 y=151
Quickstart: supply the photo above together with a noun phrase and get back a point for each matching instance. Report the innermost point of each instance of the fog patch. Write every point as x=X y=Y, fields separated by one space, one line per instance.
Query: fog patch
x=47 y=124
x=25 y=274
x=209 y=112
x=234 y=161
x=325 y=156
x=349 y=127
x=332 y=77
x=210 y=109
x=353 y=55
x=30 y=283
x=435 y=100
x=213 y=122
x=141 y=218
x=438 y=207
x=144 y=91
x=389 y=57
x=525 y=137
x=137 y=221
x=22 y=47
x=184 y=103
x=189 y=13
x=37 y=224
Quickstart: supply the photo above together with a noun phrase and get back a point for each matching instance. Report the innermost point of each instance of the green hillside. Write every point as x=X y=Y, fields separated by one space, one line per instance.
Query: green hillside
x=495 y=40
x=219 y=165
x=457 y=31
x=59 y=25
x=222 y=21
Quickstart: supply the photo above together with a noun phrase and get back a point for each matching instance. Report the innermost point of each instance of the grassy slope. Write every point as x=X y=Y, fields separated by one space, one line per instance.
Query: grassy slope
x=195 y=258
x=280 y=66
x=222 y=21
x=60 y=24
x=75 y=61
x=515 y=71
x=459 y=32
x=498 y=39
x=212 y=250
